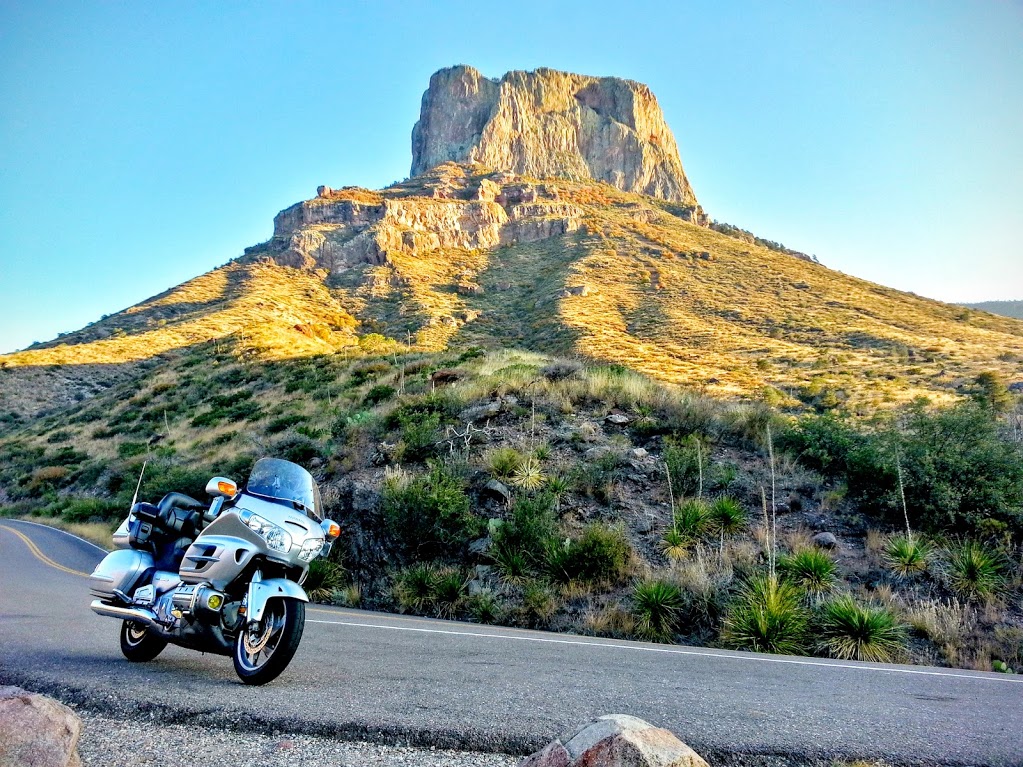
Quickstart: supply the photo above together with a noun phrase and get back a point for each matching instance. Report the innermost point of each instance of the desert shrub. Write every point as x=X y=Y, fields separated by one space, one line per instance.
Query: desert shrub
x=686 y=461
x=525 y=538
x=131 y=449
x=956 y=468
x=296 y=448
x=974 y=571
x=377 y=394
x=163 y=476
x=324 y=578
x=852 y=631
x=366 y=371
x=429 y=514
x=61 y=435
x=600 y=555
x=443 y=403
x=88 y=509
x=418 y=436
x=656 y=604
x=907 y=555
x=277 y=425
x=559 y=370
x=539 y=603
x=767 y=616
x=811 y=569
x=692 y=519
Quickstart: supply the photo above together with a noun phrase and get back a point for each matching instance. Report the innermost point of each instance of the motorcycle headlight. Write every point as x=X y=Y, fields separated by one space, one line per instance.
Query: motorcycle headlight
x=277 y=538
x=310 y=549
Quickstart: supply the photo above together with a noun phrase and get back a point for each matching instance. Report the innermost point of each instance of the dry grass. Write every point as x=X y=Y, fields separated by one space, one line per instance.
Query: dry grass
x=100 y=533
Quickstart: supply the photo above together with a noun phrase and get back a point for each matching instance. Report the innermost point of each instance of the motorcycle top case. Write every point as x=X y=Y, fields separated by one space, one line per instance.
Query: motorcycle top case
x=120 y=570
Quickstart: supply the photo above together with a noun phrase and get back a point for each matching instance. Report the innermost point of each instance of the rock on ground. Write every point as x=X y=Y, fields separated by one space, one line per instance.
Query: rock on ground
x=36 y=731
x=616 y=740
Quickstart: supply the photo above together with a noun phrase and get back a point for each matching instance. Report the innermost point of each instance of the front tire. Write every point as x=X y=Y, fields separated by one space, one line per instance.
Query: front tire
x=138 y=644
x=263 y=650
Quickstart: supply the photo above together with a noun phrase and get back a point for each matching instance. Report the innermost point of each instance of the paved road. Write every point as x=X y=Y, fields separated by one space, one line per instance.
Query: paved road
x=379 y=676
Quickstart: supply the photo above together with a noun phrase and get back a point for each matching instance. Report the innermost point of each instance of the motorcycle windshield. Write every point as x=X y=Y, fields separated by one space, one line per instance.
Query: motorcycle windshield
x=281 y=480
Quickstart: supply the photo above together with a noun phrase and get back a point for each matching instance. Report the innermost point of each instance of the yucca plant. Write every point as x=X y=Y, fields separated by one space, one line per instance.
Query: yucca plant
x=727 y=517
x=767 y=616
x=907 y=555
x=674 y=544
x=811 y=569
x=323 y=579
x=512 y=564
x=692 y=518
x=448 y=589
x=656 y=604
x=974 y=571
x=414 y=587
x=528 y=475
x=483 y=606
x=851 y=631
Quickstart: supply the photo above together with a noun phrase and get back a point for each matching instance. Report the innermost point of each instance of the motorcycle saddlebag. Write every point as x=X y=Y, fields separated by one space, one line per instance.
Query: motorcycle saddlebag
x=120 y=570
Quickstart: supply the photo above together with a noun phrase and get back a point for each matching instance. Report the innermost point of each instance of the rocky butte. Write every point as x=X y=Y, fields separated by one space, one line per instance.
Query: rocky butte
x=550 y=124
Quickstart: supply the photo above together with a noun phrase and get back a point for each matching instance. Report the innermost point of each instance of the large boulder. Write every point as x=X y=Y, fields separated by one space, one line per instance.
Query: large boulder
x=616 y=740
x=36 y=731
x=550 y=124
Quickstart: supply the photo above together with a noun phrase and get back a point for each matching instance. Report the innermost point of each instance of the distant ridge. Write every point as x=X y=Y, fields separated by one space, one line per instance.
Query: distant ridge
x=1004 y=308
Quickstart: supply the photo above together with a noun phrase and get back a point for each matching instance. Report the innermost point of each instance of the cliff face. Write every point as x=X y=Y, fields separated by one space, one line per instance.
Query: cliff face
x=550 y=124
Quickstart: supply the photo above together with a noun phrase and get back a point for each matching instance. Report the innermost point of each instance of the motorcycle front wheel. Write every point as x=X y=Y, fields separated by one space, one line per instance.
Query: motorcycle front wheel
x=263 y=650
x=138 y=644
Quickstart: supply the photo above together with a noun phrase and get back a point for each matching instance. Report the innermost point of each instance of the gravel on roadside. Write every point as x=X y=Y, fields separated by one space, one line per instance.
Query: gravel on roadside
x=110 y=742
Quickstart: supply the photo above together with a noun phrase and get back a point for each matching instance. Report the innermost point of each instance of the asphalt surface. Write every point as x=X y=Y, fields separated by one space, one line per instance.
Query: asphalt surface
x=394 y=679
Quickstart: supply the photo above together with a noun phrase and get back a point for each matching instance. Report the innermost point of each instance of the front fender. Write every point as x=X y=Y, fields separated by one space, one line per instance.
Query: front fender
x=261 y=592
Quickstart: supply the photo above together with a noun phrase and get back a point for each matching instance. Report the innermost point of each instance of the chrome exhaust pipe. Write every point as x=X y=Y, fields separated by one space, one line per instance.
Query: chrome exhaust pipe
x=137 y=614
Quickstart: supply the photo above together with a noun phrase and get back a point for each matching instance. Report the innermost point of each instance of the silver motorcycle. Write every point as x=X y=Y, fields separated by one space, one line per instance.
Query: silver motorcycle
x=224 y=577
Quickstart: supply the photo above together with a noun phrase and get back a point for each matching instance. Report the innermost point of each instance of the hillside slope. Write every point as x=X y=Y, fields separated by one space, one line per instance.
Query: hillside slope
x=463 y=256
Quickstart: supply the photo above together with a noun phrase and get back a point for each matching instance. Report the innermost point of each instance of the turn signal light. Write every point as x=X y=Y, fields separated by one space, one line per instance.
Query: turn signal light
x=331 y=529
x=227 y=488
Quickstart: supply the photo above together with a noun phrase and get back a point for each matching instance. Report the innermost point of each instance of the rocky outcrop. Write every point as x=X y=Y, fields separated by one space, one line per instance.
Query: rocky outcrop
x=616 y=740
x=550 y=124
x=36 y=731
x=333 y=231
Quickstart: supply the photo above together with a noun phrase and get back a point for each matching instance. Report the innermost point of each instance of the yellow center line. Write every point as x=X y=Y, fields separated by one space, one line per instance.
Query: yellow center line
x=41 y=556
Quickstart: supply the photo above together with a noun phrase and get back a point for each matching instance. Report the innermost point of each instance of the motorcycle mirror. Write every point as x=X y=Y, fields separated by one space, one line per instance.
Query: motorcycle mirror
x=331 y=529
x=222 y=487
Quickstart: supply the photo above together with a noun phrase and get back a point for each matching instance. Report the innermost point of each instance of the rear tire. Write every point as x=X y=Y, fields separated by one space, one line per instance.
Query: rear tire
x=263 y=651
x=138 y=644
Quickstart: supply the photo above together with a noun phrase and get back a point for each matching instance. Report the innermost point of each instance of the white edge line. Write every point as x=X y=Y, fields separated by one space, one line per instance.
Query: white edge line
x=51 y=527
x=674 y=651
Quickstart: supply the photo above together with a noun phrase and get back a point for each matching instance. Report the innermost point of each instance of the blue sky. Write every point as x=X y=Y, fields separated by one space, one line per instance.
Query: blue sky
x=143 y=144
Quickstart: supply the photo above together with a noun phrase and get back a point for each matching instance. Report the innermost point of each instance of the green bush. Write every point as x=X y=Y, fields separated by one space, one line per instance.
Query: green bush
x=418 y=436
x=448 y=590
x=277 y=425
x=131 y=449
x=812 y=570
x=483 y=606
x=600 y=555
x=429 y=515
x=957 y=469
x=296 y=448
x=727 y=517
x=851 y=631
x=686 y=461
x=526 y=537
x=767 y=616
x=379 y=393
x=656 y=605
x=538 y=604
x=87 y=509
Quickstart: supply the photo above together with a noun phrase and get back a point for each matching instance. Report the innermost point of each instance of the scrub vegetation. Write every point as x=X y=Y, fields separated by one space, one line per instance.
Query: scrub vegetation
x=505 y=486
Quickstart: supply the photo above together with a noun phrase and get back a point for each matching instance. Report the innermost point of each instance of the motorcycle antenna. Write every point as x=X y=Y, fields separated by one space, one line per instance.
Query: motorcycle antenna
x=136 y=496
